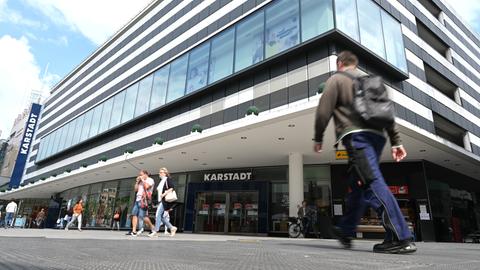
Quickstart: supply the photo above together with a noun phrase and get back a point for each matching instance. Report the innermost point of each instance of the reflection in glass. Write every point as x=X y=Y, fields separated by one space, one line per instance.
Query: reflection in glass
x=97 y=113
x=159 y=89
x=279 y=207
x=78 y=129
x=371 y=35
x=118 y=101
x=143 y=98
x=129 y=104
x=221 y=58
x=86 y=125
x=63 y=137
x=178 y=75
x=55 y=142
x=249 y=45
x=346 y=17
x=394 y=47
x=106 y=113
x=198 y=68
x=317 y=17
x=282 y=29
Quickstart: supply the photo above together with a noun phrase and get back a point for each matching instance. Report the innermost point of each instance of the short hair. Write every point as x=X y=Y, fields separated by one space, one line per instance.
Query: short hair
x=145 y=172
x=347 y=58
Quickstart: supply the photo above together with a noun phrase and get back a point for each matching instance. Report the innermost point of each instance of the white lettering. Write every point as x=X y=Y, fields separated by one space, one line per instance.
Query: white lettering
x=213 y=177
x=235 y=177
x=220 y=177
x=23 y=151
x=227 y=176
x=249 y=175
x=206 y=177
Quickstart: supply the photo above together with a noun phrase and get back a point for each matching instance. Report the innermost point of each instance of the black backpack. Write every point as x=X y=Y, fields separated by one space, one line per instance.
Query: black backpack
x=371 y=101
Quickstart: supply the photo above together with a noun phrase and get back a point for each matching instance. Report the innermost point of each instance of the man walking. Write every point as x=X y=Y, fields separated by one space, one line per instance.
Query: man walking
x=9 y=213
x=143 y=187
x=364 y=144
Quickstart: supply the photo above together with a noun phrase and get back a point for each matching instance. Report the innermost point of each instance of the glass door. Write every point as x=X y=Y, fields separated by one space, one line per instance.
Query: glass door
x=243 y=212
x=211 y=212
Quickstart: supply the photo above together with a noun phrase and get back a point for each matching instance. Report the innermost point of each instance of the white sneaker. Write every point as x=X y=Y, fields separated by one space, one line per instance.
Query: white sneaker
x=173 y=230
x=166 y=232
x=66 y=228
x=79 y=230
x=152 y=234
x=140 y=231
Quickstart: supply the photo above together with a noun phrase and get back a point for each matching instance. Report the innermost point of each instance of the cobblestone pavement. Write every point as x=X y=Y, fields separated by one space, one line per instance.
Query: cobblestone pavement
x=50 y=249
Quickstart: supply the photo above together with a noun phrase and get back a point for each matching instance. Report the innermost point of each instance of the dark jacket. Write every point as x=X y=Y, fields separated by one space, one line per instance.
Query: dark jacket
x=168 y=185
x=337 y=100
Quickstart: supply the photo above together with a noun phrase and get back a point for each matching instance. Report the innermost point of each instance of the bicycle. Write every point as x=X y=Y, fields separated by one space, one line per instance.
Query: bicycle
x=295 y=227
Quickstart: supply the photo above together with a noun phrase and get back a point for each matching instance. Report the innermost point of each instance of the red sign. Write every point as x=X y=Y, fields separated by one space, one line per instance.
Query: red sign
x=393 y=189
x=217 y=206
x=205 y=206
x=237 y=206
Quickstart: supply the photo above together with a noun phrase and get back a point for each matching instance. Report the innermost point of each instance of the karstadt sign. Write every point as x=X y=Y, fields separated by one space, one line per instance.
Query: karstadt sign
x=25 y=145
x=228 y=176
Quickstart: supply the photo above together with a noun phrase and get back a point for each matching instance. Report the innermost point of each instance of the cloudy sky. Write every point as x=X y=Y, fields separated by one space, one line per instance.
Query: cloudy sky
x=41 y=41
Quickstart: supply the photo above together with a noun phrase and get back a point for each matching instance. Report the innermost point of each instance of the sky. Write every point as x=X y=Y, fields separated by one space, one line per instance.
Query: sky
x=41 y=41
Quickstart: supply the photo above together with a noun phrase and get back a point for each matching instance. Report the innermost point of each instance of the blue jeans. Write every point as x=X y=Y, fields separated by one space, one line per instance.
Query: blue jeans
x=364 y=151
x=160 y=219
x=8 y=220
x=138 y=211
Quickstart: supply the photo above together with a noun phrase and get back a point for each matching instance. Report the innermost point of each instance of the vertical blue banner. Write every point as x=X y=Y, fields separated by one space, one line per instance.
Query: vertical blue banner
x=25 y=143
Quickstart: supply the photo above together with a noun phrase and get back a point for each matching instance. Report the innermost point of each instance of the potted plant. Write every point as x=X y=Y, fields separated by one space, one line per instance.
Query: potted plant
x=54 y=175
x=84 y=165
x=129 y=150
x=158 y=141
x=68 y=170
x=197 y=128
x=43 y=178
x=103 y=158
x=252 y=110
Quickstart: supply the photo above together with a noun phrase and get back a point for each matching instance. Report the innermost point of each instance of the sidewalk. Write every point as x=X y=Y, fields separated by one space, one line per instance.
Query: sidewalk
x=73 y=233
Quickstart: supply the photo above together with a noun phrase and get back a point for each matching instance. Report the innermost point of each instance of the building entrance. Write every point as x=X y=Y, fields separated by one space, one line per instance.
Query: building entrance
x=227 y=212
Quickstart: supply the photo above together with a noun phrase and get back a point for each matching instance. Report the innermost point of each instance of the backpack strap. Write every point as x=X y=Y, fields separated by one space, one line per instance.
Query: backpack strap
x=351 y=76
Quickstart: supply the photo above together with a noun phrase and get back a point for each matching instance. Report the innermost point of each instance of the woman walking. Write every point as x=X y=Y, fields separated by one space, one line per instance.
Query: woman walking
x=116 y=220
x=164 y=188
x=77 y=215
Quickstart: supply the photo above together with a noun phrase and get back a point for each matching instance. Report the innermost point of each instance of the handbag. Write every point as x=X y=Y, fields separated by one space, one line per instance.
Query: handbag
x=171 y=196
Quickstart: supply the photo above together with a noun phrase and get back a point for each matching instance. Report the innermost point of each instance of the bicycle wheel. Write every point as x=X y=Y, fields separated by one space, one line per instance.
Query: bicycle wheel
x=294 y=230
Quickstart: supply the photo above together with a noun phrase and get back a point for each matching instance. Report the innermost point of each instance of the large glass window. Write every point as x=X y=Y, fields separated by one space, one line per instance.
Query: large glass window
x=129 y=104
x=394 y=47
x=282 y=29
x=159 y=89
x=86 y=125
x=178 y=75
x=63 y=137
x=317 y=17
x=221 y=56
x=97 y=114
x=78 y=129
x=249 y=44
x=118 y=101
x=346 y=17
x=106 y=113
x=371 y=34
x=56 y=141
x=198 y=68
x=71 y=131
x=143 y=98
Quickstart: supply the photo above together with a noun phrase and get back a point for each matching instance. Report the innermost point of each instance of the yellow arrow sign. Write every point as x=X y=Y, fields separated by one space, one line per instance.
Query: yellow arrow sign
x=341 y=155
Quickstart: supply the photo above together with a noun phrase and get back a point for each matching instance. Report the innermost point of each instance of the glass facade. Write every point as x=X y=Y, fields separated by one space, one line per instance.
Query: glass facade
x=269 y=31
x=374 y=28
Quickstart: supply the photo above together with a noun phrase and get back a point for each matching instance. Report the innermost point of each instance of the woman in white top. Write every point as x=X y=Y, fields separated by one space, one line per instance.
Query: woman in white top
x=165 y=187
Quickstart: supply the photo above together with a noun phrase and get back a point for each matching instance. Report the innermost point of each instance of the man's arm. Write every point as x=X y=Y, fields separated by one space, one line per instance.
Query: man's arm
x=325 y=108
x=398 y=151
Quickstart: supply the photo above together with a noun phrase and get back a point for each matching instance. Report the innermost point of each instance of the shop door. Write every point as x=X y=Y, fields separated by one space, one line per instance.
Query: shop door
x=211 y=211
x=227 y=212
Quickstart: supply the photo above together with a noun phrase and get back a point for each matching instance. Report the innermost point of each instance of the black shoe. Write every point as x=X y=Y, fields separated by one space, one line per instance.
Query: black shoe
x=345 y=241
x=397 y=247
x=129 y=233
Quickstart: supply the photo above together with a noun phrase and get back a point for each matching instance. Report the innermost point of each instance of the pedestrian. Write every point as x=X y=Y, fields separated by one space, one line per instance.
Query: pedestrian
x=144 y=187
x=164 y=188
x=304 y=213
x=39 y=220
x=9 y=213
x=116 y=219
x=77 y=215
x=364 y=144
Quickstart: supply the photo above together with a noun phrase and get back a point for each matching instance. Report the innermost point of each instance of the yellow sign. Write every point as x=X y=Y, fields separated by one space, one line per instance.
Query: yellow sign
x=341 y=155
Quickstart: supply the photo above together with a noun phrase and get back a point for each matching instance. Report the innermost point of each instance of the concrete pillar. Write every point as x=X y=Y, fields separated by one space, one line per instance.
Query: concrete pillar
x=295 y=182
x=466 y=142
